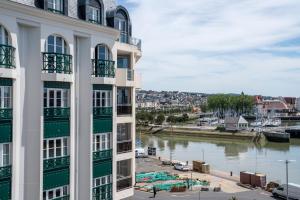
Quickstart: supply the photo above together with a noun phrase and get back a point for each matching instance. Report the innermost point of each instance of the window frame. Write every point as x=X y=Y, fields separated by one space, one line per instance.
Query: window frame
x=56 y=38
x=64 y=98
x=94 y=15
x=99 y=144
x=6 y=97
x=64 y=191
x=64 y=147
x=53 y=5
x=100 y=101
x=7 y=154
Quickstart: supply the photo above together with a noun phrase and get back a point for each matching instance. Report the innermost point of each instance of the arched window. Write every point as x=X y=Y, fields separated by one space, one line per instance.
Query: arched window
x=122 y=24
x=56 y=58
x=102 y=52
x=4 y=36
x=56 y=44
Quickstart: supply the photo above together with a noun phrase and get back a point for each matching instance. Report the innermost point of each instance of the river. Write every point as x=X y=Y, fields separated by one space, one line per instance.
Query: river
x=232 y=155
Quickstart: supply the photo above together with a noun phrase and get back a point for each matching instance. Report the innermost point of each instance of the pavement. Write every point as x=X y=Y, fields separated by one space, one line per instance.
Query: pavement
x=194 y=195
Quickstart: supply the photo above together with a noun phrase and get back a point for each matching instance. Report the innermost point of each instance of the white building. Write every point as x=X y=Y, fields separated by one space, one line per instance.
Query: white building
x=67 y=106
x=298 y=104
x=236 y=123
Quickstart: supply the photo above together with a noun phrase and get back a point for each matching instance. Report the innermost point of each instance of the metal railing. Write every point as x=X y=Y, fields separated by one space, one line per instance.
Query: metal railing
x=102 y=155
x=124 y=109
x=56 y=11
x=55 y=163
x=102 y=111
x=51 y=113
x=130 y=74
x=136 y=42
x=57 y=63
x=103 y=68
x=5 y=172
x=7 y=56
x=124 y=183
x=6 y=114
x=63 y=198
x=103 y=192
x=124 y=146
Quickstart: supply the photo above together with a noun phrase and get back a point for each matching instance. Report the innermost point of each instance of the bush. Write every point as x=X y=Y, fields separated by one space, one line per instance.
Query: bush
x=221 y=128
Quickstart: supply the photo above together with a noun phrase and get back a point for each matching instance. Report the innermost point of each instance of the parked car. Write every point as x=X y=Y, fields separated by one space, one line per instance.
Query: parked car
x=181 y=167
x=294 y=191
x=140 y=153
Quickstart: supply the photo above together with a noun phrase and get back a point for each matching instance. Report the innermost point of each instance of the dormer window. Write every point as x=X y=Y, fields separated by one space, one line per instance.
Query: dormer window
x=56 y=6
x=4 y=38
x=94 y=15
x=122 y=26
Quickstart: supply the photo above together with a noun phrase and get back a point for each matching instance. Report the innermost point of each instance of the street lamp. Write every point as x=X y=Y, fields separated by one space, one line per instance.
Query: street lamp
x=287 y=175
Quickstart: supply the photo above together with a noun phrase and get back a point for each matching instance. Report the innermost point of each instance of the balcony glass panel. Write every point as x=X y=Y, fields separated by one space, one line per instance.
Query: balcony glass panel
x=103 y=68
x=102 y=111
x=57 y=63
x=5 y=114
x=102 y=155
x=103 y=192
x=56 y=163
x=7 y=56
x=5 y=172
x=56 y=113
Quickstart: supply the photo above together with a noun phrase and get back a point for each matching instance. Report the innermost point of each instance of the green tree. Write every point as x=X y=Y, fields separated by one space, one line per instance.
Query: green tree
x=160 y=119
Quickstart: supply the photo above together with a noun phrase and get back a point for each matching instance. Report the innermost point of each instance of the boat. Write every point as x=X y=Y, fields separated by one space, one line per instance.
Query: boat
x=272 y=122
x=277 y=136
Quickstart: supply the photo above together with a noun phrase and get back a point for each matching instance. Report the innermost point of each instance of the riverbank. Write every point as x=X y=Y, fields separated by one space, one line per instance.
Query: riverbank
x=194 y=132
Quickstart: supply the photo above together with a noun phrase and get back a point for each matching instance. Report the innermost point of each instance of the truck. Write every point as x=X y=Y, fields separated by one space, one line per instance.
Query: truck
x=294 y=191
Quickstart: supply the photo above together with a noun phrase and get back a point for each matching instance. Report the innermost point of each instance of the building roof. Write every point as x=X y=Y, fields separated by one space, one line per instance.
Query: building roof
x=235 y=120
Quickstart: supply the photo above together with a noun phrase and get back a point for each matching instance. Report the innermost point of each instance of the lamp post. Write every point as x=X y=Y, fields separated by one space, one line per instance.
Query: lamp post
x=287 y=175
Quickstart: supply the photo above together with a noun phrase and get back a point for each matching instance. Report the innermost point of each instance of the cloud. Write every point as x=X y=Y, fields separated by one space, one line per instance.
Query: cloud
x=219 y=45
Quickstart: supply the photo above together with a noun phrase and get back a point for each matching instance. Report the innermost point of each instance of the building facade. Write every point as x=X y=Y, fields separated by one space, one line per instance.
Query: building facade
x=67 y=100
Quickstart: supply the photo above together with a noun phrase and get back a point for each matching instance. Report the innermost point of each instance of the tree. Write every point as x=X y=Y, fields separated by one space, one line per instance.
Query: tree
x=160 y=119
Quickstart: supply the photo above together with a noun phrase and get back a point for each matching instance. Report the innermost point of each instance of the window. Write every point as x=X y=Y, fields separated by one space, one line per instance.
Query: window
x=56 y=44
x=124 y=96
x=4 y=37
x=56 y=193
x=5 y=96
x=105 y=192
x=55 y=5
x=102 y=142
x=102 y=52
x=53 y=148
x=104 y=180
x=94 y=15
x=123 y=62
x=124 y=132
x=5 y=154
x=102 y=98
x=56 y=98
x=122 y=27
x=123 y=169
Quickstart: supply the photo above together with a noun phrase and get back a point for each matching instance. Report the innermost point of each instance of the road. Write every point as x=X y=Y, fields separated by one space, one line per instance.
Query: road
x=194 y=195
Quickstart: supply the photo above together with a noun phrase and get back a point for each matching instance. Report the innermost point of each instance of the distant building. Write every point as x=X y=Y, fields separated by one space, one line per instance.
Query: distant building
x=236 y=123
x=298 y=104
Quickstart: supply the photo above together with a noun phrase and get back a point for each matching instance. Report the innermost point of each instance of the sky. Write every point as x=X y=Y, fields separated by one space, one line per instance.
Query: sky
x=218 y=46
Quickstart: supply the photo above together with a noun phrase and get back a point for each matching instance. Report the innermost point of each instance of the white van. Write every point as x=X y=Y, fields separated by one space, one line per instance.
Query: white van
x=140 y=153
x=294 y=191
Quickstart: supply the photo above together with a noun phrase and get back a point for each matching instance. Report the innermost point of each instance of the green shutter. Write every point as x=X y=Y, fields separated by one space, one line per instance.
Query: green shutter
x=53 y=84
x=6 y=82
x=56 y=128
x=5 y=190
x=56 y=179
x=5 y=131
x=102 y=87
x=102 y=125
x=102 y=169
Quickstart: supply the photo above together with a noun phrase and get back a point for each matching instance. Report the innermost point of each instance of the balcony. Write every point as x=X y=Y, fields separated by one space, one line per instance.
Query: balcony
x=7 y=56
x=124 y=109
x=57 y=63
x=124 y=183
x=5 y=172
x=63 y=198
x=56 y=113
x=103 y=192
x=136 y=42
x=103 y=68
x=124 y=146
x=56 y=163
x=102 y=155
x=5 y=114
x=102 y=111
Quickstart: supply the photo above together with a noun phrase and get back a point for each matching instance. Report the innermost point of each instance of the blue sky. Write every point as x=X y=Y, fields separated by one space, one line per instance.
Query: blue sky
x=215 y=46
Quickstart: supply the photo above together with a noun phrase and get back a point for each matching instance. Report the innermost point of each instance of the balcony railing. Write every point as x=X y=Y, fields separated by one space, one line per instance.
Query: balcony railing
x=136 y=42
x=124 y=146
x=5 y=172
x=124 y=109
x=56 y=113
x=102 y=155
x=7 y=56
x=56 y=11
x=57 y=63
x=56 y=163
x=6 y=114
x=130 y=74
x=103 y=192
x=124 y=183
x=103 y=68
x=102 y=111
x=63 y=198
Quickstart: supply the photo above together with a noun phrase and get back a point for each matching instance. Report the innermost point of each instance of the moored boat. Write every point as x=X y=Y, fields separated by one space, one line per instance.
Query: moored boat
x=277 y=136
